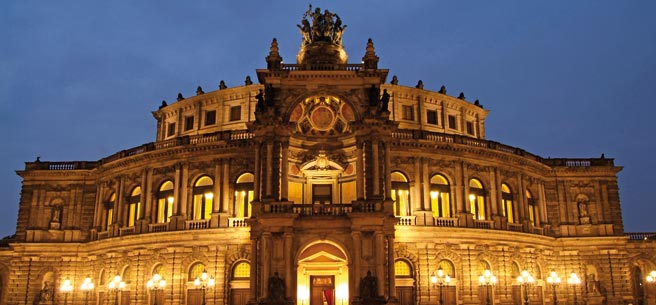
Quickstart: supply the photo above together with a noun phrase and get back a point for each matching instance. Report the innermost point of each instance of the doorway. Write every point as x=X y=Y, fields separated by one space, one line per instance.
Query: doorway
x=322 y=290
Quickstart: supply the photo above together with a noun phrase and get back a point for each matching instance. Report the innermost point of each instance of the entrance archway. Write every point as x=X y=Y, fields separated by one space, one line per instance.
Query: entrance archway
x=322 y=275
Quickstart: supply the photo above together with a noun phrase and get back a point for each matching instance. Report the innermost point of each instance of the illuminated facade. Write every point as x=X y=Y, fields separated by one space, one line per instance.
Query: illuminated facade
x=323 y=184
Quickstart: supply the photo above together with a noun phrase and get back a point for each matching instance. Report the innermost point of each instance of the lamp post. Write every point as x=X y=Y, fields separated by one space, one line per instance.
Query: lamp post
x=156 y=284
x=441 y=279
x=116 y=285
x=525 y=280
x=488 y=280
x=87 y=286
x=575 y=281
x=553 y=280
x=204 y=282
x=66 y=288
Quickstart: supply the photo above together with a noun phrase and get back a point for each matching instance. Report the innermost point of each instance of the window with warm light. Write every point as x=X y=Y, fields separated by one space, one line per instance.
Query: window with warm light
x=447 y=268
x=532 y=209
x=402 y=269
x=241 y=271
x=400 y=194
x=134 y=207
x=476 y=198
x=109 y=212
x=195 y=271
x=165 y=202
x=440 y=196
x=243 y=195
x=203 y=198
x=508 y=203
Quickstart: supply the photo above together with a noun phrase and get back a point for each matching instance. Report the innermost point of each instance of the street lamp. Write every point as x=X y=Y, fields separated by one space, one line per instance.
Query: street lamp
x=441 y=279
x=156 y=284
x=87 y=286
x=526 y=280
x=574 y=280
x=66 y=288
x=116 y=285
x=488 y=280
x=204 y=282
x=554 y=280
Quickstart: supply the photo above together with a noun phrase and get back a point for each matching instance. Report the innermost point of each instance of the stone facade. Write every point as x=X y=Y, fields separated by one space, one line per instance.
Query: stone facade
x=323 y=184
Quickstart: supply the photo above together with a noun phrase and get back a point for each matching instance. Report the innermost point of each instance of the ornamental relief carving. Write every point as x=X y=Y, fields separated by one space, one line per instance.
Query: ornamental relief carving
x=164 y=170
x=442 y=164
x=478 y=168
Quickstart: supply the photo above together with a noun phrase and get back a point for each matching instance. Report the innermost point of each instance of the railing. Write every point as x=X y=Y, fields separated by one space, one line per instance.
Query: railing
x=481 y=143
x=483 y=224
x=322 y=67
x=537 y=230
x=406 y=220
x=445 y=222
x=158 y=227
x=126 y=231
x=103 y=234
x=517 y=227
x=322 y=209
x=197 y=224
x=237 y=222
x=641 y=235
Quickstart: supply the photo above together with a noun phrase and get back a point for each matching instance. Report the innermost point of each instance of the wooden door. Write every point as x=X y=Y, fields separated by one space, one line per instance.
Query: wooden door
x=239 y=296
x=320 y=287
x=405 y=295
x=449 y=295
x=194 y=297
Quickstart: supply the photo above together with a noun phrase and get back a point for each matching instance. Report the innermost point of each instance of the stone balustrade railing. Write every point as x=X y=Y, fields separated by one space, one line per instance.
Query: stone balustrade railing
x=641 y=235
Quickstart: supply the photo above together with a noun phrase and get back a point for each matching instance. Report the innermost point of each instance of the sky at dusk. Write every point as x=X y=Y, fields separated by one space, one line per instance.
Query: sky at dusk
x=79 y=79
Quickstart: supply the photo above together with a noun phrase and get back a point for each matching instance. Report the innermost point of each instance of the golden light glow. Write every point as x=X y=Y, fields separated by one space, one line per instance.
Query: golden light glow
x=472 y=197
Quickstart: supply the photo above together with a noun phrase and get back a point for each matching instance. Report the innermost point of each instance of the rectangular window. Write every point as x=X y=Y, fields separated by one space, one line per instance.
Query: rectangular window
x=431 y=117
x=452 y=122
x=408 y=113
x=235 y=113
x=171 y=130
x=110 y=218
x=470 y=128
x=189 y=123
x=210 y=117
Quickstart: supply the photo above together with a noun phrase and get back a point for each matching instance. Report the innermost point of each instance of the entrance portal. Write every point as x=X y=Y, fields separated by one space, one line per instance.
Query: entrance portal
x=322 y=275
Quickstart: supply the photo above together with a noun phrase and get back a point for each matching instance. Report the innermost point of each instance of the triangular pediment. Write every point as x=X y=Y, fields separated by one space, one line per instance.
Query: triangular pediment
x=322 y=257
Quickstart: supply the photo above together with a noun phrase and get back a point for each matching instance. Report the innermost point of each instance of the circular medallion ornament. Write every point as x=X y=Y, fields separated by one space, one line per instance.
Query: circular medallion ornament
x=322 y=118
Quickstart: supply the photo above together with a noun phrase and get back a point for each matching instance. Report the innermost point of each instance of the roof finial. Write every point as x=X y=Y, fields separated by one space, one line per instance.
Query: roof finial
x=274 y=60
x=180 y=97
x=420 y=84
x=222 y=85
x=199 y=91
x=370 y=59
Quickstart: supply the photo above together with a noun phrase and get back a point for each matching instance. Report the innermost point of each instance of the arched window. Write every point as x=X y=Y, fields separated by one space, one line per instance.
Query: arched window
x=134 y=207
x=159 y=269
x=440 y=194
x=477 y=199
x=109 y=212
x=508 y=203
x=447 y=267
x=533 y=214
x=402 y=269
x=165 y=202
x=242 y=270
x=202 y=207
x=195 y=271
x=400 y=194
x=243 y=195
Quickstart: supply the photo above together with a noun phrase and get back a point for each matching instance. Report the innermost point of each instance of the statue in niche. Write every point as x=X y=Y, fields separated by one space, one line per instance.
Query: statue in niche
x=261 y=105
x=56 y=214
x=583 y=206
x=46 y=293
x=368 y=287
x=268 y=95
x=276 y=288
x=384 y=101
x=374 y=95
x=593 y=286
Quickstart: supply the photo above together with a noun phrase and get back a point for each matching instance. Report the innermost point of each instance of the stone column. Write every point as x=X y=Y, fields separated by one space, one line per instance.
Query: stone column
x=225 y=187
x=266 y=262
x=388 y=171
x=289 y=265
x=357 y=250
x=376 y=166
x=177 y=182
x=359 y=172
x=380 y=261
x=217 y=202
x=426 y=206
x=254 y=269
x=184 y=189
x=150 y=189
x=257 y=175
x=390 y=267
x=522 y=204
x=284 y=184
x=99 y=209
x=269 y=166
x=118 y=204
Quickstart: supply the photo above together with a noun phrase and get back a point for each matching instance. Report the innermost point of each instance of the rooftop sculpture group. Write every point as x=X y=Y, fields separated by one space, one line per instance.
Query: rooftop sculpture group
x=325 y=27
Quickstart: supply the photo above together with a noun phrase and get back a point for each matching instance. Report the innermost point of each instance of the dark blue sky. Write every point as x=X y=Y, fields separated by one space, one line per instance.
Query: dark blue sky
x=78 y=79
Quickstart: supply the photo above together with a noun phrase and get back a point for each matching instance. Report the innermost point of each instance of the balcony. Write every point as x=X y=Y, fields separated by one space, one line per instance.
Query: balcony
x=517 y=227
x=484 y=224
x=197 y=224
x=445 y=222
x=126 y=231
x=158 y=227
x=237 y=222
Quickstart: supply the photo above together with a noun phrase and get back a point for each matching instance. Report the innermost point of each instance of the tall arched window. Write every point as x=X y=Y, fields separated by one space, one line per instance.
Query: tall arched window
x=203 y=197
x=243 y=195
x=477 y=199
x=402 y=269
x=195 y=271
x=440 y=194
x=533 y=214
x=400 y=194
x=242 y=270
x=508 y=203
x=109 y=212
x=134 y=207
x=165 y=202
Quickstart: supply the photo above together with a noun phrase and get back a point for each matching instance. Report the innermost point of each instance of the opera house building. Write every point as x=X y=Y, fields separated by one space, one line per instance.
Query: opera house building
x=324 y=182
